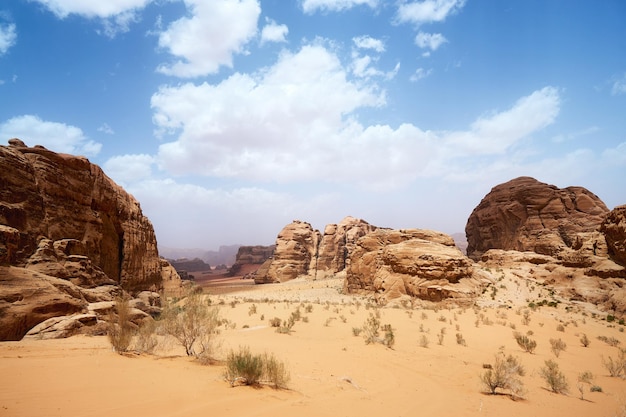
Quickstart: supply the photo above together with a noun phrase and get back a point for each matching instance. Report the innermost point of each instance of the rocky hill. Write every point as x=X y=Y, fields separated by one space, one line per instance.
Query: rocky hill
x=67 y=226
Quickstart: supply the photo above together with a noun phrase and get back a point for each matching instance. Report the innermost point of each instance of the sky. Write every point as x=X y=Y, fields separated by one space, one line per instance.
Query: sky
x=228 y=119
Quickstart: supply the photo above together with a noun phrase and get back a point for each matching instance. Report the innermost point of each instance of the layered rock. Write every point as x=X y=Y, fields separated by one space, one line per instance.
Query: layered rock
x=614 y=230
x=338 y=241
x=71 y=236
x=251 y=255
x=527 y=215
x=61 y=197
x=295 y=254
x=417 y=263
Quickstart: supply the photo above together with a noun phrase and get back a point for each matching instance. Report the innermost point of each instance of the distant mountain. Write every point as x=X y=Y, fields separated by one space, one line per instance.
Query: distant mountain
x=224 y=255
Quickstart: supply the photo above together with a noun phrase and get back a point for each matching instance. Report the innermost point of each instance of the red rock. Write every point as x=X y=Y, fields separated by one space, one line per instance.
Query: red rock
x=614 y=229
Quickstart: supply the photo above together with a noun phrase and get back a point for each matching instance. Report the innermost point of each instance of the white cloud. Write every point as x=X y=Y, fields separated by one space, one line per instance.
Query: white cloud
x=58 y=137
x=273 y=32
x=420 y=73
x=129 y=169
x=419 y=12
x=91 y=8
x=619 y=86
x=430 y=41
x=8 y=37
x=367 y=42
x=616 y=156
x=498 y=132
x=311 y=6
x=105 y=128
x=208 y=38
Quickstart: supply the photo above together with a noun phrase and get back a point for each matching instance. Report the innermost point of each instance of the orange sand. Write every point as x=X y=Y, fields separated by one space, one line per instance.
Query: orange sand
x=333 y=373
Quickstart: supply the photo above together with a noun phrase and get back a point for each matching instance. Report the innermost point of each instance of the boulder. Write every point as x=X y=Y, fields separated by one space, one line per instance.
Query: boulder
x=614 y=230
x=62 y=326
x=527 y=215
x=418 y=263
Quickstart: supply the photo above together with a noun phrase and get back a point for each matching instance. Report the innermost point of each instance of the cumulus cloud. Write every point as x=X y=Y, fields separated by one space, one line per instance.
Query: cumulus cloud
x=8 y=37
x=90 y=8
x=58 y=137
x=129 y=169
x=430 y=41
x=427 y=11
x=297 y=121
x=311 y=6
x=273 y=32
x=209 y=37
x=367 y=42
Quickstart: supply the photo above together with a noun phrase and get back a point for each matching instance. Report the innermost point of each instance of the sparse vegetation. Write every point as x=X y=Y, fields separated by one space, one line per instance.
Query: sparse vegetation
x=504 y=374
x=460 y=340
x=584 y=340
x=554 y=377
x=617 y=366
x=244 y=368
x=526 y=343
x=557 y=346
x=424 y=342
x=584 y=378
x=120 y=329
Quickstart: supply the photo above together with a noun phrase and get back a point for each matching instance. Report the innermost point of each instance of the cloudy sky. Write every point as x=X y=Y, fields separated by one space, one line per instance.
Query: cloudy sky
x=228 y=119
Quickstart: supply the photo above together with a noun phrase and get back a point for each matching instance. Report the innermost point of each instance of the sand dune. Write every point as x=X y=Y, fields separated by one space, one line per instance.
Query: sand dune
x=333 y=372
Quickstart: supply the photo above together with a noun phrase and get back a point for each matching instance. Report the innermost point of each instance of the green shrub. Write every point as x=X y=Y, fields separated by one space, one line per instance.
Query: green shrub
x=557 y=345
x=554 y=377
x=243 y=367
x=526 y=343
x=120 y=329
x=504 y=374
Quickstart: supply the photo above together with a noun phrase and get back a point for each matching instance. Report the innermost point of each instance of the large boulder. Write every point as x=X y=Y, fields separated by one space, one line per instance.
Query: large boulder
x=417 y=263
x=614 y=230
x=527 y=215
x=295 y=254
x=251 y=255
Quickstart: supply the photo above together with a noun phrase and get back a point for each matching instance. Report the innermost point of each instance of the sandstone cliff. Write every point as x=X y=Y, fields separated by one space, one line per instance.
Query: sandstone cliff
x=62 y=218
x=614 y=230
x=251 y=255
x=527 y=215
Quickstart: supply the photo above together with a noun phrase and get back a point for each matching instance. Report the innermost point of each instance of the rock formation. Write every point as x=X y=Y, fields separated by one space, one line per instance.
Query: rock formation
x=251 y=255
x=295 y=254
x=527 y=215
x=338 y=241
x=68 y=235
x=614 y=230
x=418 y=263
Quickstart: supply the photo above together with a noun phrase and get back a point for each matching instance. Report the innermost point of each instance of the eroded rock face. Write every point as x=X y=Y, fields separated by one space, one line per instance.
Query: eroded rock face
x=295 y=254
x=55 y=208
x=614 y=230
x=338 y=241
x=417 y=263
x=251 y=255
x=527 y=215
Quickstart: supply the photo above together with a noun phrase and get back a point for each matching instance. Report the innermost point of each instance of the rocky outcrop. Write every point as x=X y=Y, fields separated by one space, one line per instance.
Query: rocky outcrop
x=71 y=236
x=251 y=255
x=527 y=215
x=614 y=230
x=423 y=264
x=338 y=241
x=295 y=254
x=190 y=265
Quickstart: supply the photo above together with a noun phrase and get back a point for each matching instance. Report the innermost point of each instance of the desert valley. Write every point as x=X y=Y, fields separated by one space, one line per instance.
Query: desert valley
x=354 y=320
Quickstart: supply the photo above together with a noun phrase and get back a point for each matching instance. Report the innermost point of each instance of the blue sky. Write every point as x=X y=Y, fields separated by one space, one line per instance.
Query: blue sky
x=228 y=119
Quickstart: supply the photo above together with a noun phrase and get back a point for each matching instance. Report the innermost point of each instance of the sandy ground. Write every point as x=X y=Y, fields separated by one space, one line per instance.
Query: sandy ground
x=333 y=372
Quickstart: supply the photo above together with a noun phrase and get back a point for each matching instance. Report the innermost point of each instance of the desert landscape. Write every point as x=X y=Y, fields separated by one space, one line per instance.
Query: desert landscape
x=353 y=320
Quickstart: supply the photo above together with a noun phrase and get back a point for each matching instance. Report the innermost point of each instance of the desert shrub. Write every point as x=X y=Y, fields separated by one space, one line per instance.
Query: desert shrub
x=441 y=335
x=390 y=338
x=584 y=378
x=557 y=345
x=460 y=340
x=371 y=329
x=611 y=341
x=286 y=326
x=120 y=329
x=424 y=341
x=584 y=340
x=526 y=318
x=554 y=377
x=526 y=343
x=356 y=331
x=616 y=367
x=275 y=371
x=595 y=388
x=146 y=340
x=252 y=310
x=194 y=324
x=276 y=322
x=560 y=328
x=243 y=367
x=505 y=374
